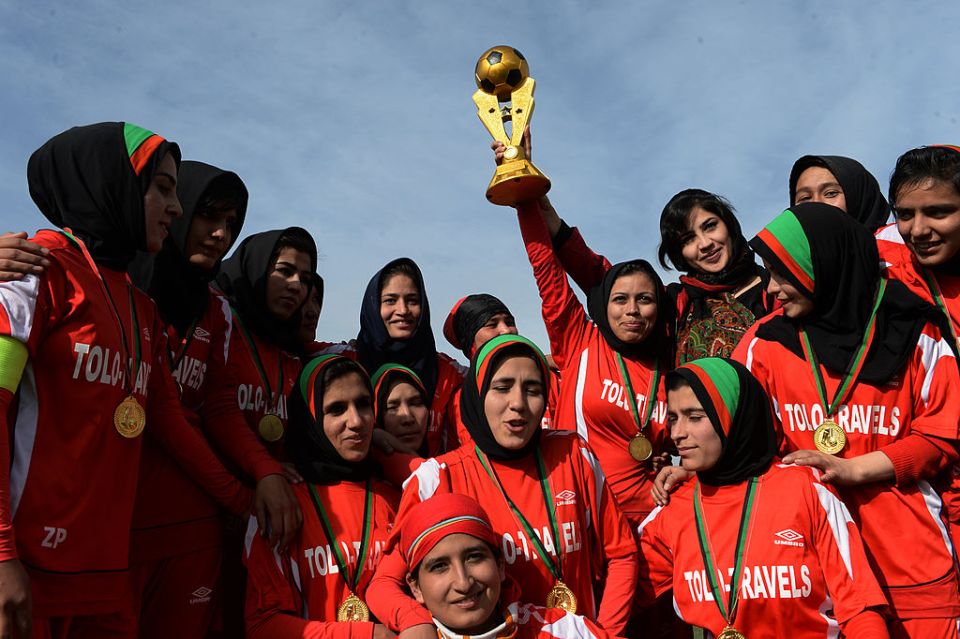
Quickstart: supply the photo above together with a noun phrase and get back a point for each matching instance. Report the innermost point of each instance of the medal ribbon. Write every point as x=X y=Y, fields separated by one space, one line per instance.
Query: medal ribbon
x=175 y=359
x=937 y=295
x=855 y=366
x=556 y=569
x=128 y=381
x=728 y=611
x=632 y=397
x=252 y=345
x=365 y=536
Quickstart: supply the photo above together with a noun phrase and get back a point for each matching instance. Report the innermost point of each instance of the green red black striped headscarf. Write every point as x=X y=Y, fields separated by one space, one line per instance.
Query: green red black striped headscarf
x=740 y=413
x=833 y=260
x=92 y=179
x=477 y=383
x=307 y=444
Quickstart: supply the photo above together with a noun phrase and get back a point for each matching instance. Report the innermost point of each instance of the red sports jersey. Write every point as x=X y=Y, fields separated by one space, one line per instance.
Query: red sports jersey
x=527 y=621
x=297 y=594
x=449 y=379
x=891 y=518
x=595 y=537
x=237 y=384
x=592 y=391
x=899 y=264
x=173 y=515
x=73 y=477
x=804 y=569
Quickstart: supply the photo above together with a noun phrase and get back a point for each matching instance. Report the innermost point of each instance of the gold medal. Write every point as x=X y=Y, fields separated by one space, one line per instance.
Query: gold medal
x=560 y=596
x=129 y=418
x=829 y=437
x=353 y=609
x=270 y=427
x=730 y=633
x=640 y=448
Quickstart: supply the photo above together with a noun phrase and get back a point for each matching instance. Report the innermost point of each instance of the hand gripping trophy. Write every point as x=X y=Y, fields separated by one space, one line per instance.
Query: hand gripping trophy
x=505 y=94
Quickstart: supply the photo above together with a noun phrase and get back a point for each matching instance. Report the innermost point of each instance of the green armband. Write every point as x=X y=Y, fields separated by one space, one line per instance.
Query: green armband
x=13 y=358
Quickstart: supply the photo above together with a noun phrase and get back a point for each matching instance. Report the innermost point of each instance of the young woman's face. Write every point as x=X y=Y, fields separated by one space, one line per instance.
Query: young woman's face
x=515 y=402
x=348 y=417
x=795 y=304
x=310 y=316
x=706 y=246
x=632 y=307
x=400 y=307
x=690 y=429
x=819 y=184
x=210 y=235
x=288 y=281
x=928 y=218
x=160 y=204
x=406 y=415
x=499 y=324
x=459 y=583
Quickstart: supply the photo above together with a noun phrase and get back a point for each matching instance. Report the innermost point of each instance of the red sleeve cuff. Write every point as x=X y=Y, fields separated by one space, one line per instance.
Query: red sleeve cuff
x=265 y=467
x=916 y=457
x=868 y=624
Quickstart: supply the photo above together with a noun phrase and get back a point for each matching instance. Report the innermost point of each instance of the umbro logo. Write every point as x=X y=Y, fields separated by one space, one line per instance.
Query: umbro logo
x=146 y=333
x=566 y=498
x=200 y=595
x=788 y=537
x=201 y=335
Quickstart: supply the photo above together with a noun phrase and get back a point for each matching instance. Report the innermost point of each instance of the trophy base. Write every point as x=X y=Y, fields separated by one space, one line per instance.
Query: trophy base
x=517 y=181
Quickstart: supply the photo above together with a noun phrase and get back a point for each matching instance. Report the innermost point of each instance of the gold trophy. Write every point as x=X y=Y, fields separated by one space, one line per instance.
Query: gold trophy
x=505 y=94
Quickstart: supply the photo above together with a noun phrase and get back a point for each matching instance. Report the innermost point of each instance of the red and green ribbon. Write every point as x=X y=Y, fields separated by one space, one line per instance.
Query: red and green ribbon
x=556 y=569
x=855 y=366
x=176 y=358
x=632 y=397
x=729 y=610
x=365 y=536
x=129 y=382
x=937 y=295
x=255 y=353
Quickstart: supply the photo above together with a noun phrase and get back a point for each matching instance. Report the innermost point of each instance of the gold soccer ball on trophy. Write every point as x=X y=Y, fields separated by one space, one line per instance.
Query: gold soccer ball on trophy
x=500 y=71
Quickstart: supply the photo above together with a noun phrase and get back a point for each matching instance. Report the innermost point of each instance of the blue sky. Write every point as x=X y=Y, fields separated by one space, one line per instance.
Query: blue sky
x=354 y=119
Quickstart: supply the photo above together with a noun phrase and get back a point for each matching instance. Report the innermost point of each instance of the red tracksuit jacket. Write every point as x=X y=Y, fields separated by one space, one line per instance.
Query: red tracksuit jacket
x=921 y=581
x=804 y=571
x=73 y=477
x=592 y=394
x=296 y=594
x=595 y=537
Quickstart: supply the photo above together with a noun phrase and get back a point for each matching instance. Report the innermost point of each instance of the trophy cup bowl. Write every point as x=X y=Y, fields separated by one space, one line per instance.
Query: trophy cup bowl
x=505 y=94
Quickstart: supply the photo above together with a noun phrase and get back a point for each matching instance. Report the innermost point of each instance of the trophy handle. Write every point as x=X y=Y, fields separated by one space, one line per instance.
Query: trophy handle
x=521 y=110
x=488 y=110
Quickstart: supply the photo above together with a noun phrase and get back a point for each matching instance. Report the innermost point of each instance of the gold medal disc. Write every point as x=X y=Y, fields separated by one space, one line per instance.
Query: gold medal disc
x=129 y=418
x=730 y=633
x=829 y=437
x=353 y=609
x=560 y=596
x=271 y=429
x=640 y=448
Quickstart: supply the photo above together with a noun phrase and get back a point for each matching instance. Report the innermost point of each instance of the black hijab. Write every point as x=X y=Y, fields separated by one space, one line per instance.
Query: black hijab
x=307 y=444
x=92 y=180
x=477 y=383
x=243 y=280
x=740 y=413
x=865 y=201
x=659 y=343
x=833 y=260
x=468 y=316
x=375 y=347
x=180 y=289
